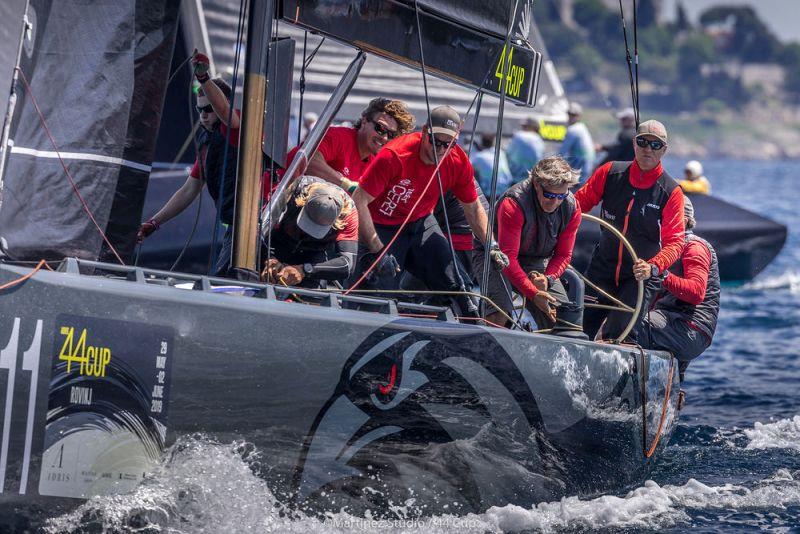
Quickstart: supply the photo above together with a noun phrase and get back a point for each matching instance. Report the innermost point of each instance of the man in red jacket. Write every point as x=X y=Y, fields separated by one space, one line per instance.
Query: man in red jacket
x=684 y=318
x=401 y=185
x=645 y=204
x=537 y=221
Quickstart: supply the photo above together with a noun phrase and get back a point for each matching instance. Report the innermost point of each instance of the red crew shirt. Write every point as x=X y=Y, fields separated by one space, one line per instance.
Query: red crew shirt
x=234 y=140
x=350 y=230
x=339 y=149
x=691 y=287
x=510 y=220
x=672 y=223
x=397 y=178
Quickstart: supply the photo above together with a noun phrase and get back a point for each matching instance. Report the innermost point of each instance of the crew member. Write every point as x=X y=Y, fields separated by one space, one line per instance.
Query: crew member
x=684 y=318
x=525 y=150
x=694 y=182
x=645 y=204
x=344 y=152
x=578 y=147
x=217 y=150
x=483 y=163
x=622 y=148
x=315 y=237
x=401 y=184
x=537 y=221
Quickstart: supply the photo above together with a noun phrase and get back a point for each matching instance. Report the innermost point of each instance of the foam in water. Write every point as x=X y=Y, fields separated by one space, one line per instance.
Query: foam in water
x=783 y=434
x=789 y=280
x=209 y=487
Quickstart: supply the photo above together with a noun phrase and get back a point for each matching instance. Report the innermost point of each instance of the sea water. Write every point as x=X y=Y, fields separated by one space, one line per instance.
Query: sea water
x=733 y=463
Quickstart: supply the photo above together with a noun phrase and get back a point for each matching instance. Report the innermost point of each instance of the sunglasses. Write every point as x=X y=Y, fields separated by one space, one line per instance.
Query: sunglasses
x=381 y=130
x=439 y=144
x=655 y=144
x=205 y=109
x=553 y=196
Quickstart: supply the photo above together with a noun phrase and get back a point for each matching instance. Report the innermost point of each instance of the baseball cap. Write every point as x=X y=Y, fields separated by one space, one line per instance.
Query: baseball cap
x=574 y=108
x=654 y=128
x=626 y=113
x=445 y=120
x=320 y=211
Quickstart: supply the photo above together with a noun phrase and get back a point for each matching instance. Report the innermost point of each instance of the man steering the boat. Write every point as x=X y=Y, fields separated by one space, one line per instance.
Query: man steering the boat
x=537 y=221
x=684 y=318
x=645 y=204
x=316 y=236
x=344 y=152
x=396 y=199
x=217 y=152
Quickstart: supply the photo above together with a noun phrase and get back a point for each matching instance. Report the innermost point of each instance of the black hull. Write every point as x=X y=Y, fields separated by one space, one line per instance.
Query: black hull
x=339 y=402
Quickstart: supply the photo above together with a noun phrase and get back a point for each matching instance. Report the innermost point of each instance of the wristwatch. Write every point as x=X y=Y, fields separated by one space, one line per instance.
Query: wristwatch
x=654 y=270
x=308 y=269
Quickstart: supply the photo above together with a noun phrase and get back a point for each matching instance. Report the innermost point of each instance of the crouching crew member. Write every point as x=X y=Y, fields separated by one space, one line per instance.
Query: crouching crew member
x=401 y=182
x=316 y=236
x=537 y=221
x=684 y=318
x=645 y=204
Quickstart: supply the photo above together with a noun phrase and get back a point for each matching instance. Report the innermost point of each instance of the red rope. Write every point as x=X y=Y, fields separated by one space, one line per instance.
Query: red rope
x=410 y=213
x=69 y=176
x=648 y=453
x=21 y=279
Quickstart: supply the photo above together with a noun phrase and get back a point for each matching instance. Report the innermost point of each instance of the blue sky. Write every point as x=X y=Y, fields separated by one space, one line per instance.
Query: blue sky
x=782 y=16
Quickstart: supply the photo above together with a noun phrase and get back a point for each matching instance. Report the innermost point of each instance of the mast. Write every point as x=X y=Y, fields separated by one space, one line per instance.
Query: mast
x=248 y=172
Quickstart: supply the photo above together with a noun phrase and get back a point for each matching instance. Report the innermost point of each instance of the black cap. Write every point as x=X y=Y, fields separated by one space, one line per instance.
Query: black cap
x=445 y=120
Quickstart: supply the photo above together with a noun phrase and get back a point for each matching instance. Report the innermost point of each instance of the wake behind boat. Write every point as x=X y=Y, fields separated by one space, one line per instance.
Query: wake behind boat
x=356 y=402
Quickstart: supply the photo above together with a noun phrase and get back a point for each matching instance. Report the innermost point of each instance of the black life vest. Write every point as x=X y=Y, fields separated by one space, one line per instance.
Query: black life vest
x=703 y=315
x=540 y=230
x=636 y=213
x=211 y=146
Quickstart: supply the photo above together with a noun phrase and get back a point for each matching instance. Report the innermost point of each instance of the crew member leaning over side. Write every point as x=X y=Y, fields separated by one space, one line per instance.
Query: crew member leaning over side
x=537 y=221
x=684 y=318
x=645 y=204
x=344 y=152
x=316 y=236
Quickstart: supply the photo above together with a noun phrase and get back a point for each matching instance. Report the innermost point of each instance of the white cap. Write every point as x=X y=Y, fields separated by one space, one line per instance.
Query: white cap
x=574 y=108
x=626 y=113
x=694 y=168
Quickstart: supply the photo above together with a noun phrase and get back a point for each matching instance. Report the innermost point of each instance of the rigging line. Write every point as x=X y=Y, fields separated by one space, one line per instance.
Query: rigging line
x=313 y=54
x=178 y=69
x=231 y=107
x=475 y=124
x=506 y=60
x=629 y=62
x=302 y=88
x=460 y=279
x=636 y=61
x=26 y=276
x=43 y=122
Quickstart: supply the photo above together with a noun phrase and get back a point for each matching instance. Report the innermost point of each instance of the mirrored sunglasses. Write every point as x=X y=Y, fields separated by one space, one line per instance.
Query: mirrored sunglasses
x=438 y=143
x=655 y=144
x=554 y=196
x=382 y=130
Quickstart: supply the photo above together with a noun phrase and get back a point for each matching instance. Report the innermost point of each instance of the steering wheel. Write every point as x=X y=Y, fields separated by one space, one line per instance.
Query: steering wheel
x=620 y=306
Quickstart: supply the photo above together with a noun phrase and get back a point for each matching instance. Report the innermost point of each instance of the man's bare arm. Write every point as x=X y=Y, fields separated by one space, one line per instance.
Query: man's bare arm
x=220 y=104
x=366 y=228
x=318 y=167
x=477 y=219
x=179 y=200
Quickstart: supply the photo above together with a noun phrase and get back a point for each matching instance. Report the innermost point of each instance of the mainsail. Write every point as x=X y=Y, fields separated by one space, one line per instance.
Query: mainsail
x=91 y=90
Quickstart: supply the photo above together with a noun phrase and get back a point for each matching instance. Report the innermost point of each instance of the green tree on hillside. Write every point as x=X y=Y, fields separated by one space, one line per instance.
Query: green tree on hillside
x=752 y=41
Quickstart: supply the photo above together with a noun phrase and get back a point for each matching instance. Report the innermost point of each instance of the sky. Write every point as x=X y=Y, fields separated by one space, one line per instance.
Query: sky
x=781 y=16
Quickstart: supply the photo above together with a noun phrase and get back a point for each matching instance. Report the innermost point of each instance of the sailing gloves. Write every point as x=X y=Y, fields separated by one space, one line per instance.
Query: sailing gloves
x=146 y=229
x=388 y=266
x=200 y=66
x=499 y=259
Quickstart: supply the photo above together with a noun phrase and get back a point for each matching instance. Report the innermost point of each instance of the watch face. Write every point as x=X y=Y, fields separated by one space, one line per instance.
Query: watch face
x=307 y=268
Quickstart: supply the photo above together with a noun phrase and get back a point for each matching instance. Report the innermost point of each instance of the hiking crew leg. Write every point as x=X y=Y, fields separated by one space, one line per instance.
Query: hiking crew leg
x=665 y=330
x=225 y=253
x=627 y=292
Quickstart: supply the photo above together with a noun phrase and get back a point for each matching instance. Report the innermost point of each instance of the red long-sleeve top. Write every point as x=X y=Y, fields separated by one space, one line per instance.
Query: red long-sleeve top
x=691 y=287
x=672 y=223
x=510 y=220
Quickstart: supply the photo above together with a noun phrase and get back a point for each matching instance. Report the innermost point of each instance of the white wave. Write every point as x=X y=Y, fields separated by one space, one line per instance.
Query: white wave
x=783 y=434
x=789 y=280
x=206 y=487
